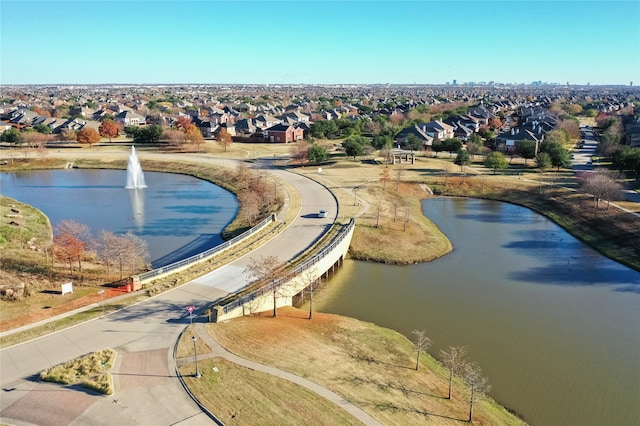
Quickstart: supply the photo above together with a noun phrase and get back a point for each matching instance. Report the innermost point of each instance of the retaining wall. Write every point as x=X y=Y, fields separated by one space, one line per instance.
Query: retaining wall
x=283 y=291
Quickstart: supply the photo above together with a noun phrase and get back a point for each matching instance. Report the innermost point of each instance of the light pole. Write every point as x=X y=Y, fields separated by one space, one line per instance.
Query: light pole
x=355 y=188
x=195 y=355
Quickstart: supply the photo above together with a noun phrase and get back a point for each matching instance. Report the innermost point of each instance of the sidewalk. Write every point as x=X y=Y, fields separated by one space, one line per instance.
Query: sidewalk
x=217 y=351
x=68 y=314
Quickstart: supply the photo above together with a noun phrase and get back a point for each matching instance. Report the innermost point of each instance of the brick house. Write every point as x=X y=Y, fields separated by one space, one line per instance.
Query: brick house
x=283 y=133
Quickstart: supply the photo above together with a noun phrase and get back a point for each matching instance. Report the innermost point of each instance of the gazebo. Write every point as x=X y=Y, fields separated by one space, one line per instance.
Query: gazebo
x=402 y=156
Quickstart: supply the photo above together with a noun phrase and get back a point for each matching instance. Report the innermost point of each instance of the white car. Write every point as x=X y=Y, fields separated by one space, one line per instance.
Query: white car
x=322 y=213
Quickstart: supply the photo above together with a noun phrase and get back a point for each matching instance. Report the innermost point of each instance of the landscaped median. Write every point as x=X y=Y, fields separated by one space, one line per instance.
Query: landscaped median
x=92 y=371
x=370 y=366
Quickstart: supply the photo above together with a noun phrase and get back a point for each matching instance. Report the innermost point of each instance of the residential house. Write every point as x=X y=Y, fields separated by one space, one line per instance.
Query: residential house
x=437 y=130
x=246 y=126
x=22 y=118
x=632 y=132
x=82 y=111
x=6 y=109
x=283 y=133
x=72 y=124
x=462 y=132
x=320 y=115
x=130 y=118
x=101 y=114
x=294 y=117
x=4 y=126
x=208 y=125
x=264 y=121
x=403 y=137
x=509 y=141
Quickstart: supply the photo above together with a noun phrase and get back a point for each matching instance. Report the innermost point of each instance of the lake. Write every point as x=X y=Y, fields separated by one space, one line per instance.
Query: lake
x=554 y=325
x=177 y=215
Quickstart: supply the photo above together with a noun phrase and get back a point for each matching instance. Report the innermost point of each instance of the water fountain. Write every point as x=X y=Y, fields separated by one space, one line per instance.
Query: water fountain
x=135 y=177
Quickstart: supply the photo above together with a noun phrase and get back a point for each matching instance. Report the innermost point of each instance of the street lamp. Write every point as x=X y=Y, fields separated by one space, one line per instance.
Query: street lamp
x=355 y=188
x=195 y=355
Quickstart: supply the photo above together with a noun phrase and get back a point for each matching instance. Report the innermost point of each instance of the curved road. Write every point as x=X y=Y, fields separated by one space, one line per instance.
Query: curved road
x=148 y=391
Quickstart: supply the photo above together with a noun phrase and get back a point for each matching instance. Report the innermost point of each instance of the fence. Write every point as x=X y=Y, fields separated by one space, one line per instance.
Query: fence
x=206 y=254
x=295 y=271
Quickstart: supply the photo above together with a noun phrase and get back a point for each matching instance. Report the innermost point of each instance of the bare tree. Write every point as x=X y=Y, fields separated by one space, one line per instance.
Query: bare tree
x=136 y=252
x=266 y=269
x=68 y=135
x=454 y=360
x=421 y=343
x=251 y=205
x=479 y=384
x=71 y=241
x=105 y=244
x=78 y=230
x=602 y=186
x=174 y=138
x=243 y=175
x=300 y=152
x=399 y=172
x=384 y=178
x=34 y=140
x=309 y=278
x=129 y=251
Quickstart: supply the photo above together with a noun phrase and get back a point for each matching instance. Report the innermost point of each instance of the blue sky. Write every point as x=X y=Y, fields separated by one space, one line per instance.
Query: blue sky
x=94 y=42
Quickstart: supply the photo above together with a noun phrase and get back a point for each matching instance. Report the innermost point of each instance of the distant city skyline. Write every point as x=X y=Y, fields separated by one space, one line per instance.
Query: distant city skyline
x=311 y=42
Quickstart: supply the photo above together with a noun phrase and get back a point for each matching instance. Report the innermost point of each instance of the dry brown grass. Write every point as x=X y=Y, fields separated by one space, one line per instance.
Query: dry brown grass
x=381 y=208
x=370 y=366
x=613 y=232
x=92 y=371
x=239 y=396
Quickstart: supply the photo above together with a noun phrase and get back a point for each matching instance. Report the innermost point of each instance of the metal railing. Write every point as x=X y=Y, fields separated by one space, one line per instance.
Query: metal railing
x=294 y=272
x=205 y=254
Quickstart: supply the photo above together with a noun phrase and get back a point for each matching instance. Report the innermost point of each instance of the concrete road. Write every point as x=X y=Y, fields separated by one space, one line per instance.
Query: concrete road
x=147 y=389
x=581 y=157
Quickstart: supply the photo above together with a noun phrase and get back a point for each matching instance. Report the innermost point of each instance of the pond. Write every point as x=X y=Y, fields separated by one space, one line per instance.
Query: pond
x=553 y=324
x=177 y=215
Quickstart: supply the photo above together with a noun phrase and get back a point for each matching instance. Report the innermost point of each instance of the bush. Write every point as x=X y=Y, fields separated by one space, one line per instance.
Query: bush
x=90 y=371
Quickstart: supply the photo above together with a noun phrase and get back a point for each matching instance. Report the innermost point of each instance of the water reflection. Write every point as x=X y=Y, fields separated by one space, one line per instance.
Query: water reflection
x=175 y=215
x=136 y=197
x=553 y=323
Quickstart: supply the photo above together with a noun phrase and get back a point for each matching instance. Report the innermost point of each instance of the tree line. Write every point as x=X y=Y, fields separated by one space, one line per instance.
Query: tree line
x=269 y=272
x=456 y=362
x=74 y=244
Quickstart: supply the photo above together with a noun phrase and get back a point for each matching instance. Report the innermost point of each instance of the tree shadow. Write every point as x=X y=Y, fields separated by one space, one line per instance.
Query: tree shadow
x=387 y=406
x=381 y=385
x=569 y=275
x=372 y=360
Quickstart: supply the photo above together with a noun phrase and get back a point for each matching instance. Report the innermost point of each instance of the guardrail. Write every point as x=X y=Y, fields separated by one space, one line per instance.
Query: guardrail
x=295 y=271
x=208 y=253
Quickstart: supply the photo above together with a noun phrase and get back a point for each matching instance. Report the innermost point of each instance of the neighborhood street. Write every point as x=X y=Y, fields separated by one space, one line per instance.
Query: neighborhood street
x=147 y=389
x=582 y=160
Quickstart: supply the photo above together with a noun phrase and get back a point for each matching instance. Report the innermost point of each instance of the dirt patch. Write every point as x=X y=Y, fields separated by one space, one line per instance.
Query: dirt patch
x=39 y=309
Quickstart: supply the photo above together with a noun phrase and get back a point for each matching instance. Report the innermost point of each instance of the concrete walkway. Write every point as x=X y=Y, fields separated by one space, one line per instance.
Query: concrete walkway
x=217 y=351
x=148 y=390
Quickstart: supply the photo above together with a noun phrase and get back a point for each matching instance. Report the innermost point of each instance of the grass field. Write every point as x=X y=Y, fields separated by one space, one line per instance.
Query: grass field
x=370 y=366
